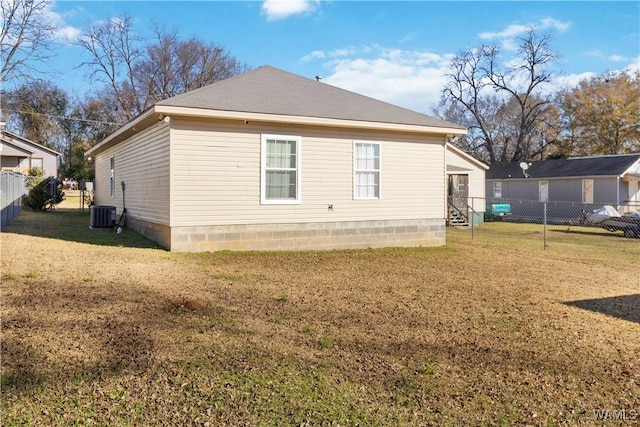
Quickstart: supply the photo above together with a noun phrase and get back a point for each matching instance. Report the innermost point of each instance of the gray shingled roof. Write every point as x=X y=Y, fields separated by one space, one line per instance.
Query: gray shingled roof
x=269 y=90
x=560 y=168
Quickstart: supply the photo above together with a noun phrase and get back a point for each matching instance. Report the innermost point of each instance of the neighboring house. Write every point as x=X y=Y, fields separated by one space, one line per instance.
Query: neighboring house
x=589 y=182
x=465 y=187
x=19 y=154
x=271 y=160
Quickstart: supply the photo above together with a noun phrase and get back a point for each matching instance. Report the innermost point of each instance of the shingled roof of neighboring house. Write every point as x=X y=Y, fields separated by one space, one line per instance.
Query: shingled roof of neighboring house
x=268 y=90
x=614 y=165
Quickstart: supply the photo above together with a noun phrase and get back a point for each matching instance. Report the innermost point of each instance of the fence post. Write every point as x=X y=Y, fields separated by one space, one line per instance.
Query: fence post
x=544 y=204
x=472 y=215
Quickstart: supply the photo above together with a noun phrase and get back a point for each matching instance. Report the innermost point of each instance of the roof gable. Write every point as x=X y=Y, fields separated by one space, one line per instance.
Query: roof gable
x=467 y=157
x=615 y=165
x=268 y=90
x=24 y=144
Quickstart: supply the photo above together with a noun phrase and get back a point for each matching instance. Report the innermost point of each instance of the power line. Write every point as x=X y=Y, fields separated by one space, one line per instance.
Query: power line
x=63 y=117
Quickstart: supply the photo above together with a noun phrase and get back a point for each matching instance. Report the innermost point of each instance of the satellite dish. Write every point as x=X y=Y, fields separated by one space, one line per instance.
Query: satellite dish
x=524 y=166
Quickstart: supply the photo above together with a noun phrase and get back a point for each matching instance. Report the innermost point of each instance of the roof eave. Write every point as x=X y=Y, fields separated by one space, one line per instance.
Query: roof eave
x=533 y=177
x=123 y=132
x=149 y=117
x=304 y=120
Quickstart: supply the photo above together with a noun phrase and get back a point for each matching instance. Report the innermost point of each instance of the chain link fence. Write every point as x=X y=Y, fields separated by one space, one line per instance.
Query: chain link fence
x=623 y=220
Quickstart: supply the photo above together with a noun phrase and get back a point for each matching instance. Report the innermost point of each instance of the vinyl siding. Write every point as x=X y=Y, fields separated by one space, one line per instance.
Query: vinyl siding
x=605 y=191
x=459 y=165
x=142 y=163
x=216 y=175
x=560 y=189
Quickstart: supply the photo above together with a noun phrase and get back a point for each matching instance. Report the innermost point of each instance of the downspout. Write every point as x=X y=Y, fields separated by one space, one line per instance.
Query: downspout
x=445 y=178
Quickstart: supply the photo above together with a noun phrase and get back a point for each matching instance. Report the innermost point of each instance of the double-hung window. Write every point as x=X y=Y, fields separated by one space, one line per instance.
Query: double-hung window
x=497 y=190
x=280 y=180
x=366 y=170
x=543 y=191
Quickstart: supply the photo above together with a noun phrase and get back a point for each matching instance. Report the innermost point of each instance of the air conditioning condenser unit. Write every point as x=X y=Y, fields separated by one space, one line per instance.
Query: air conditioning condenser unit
x=102 y=216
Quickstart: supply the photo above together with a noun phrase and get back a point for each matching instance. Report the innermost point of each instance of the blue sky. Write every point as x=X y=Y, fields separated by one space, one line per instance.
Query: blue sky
x=391 y=50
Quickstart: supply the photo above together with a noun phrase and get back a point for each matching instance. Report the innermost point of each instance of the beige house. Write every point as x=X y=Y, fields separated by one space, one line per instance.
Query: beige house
x=271 y=160
x=19 y=154
x=465 y=187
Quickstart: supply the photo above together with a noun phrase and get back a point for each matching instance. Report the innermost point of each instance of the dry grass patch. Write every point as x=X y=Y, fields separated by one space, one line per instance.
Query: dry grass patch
x=493 y=330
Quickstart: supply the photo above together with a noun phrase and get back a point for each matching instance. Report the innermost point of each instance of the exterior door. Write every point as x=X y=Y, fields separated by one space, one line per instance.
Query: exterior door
x=459 y=191
x=634 y=195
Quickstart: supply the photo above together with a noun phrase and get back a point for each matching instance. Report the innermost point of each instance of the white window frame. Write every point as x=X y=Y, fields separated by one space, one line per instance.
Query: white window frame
x=264 y=200
x=112 y=177
x=543 y=191
x=587 y=191
x=497 y=189
x=356 y=171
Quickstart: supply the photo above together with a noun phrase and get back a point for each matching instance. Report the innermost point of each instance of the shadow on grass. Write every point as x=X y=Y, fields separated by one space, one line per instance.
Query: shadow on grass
x=73 y=225
x=590 y=232
x=625 y=307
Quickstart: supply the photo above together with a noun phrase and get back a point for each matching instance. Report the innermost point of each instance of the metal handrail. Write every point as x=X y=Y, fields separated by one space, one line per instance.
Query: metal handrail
x=468 y=206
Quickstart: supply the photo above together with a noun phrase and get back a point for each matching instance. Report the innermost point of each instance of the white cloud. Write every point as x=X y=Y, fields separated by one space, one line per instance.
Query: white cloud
x=67 y=34
x=508 y=36
x=282 y=9
x=316 y=54
x=63 y=33
x=512 y=30
x=407 y=78
x=565 y=82
x=617 y=58
x=550 y=23
x=634 y=66
x=336 y=53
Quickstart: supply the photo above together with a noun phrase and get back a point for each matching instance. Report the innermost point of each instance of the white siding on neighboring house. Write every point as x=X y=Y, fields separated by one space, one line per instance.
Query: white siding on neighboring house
x=142 y=163
x=215 y=176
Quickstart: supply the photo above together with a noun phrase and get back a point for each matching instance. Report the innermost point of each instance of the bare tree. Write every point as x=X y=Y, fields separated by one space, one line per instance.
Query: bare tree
x=172 y=66
x=113 y=48
x=24 y=38
x=509 y=115
x=138 y=74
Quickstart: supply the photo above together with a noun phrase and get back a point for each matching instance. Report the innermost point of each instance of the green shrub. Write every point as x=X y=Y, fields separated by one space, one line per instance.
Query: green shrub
x=41 y=197
x=34 y=177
